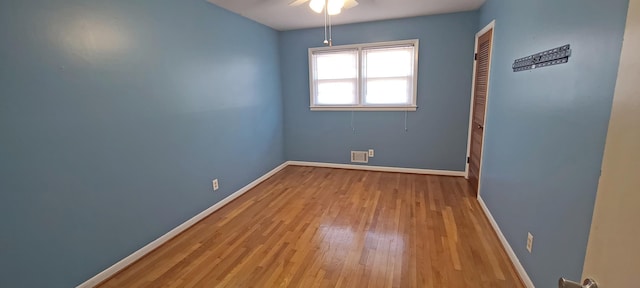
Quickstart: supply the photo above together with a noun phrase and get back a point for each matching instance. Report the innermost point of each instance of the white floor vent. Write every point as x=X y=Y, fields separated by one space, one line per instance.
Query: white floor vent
x=359 y=156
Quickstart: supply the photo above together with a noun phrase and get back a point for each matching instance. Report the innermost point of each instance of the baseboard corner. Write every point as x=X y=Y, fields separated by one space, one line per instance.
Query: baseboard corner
x=124 y=263
x=507 y=247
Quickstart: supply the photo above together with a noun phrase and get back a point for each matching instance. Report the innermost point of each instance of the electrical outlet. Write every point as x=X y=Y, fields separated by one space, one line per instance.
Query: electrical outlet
x=371 y=153
x=529 y=242
x=215 y=185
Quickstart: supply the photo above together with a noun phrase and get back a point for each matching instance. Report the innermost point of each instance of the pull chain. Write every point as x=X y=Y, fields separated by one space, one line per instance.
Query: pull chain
x=326 y=15
x=406 y=115
x=330 y=34
x=353 y=127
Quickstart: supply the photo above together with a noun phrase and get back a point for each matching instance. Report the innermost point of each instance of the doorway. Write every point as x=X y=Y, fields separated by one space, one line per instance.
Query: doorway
x=479 y=95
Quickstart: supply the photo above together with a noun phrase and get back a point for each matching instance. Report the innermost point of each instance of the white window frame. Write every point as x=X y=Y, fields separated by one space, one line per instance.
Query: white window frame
x=360 y=106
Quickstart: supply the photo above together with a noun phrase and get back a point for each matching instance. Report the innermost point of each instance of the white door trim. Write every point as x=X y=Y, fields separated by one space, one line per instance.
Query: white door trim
x=491 y=26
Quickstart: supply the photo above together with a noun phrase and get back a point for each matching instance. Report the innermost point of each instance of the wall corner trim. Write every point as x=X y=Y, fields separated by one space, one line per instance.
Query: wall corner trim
x=124 y=263
x=379 y=168
x=512 y=255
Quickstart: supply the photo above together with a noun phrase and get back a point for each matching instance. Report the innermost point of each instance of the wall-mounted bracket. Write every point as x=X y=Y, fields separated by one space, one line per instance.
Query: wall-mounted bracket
x=547 y=58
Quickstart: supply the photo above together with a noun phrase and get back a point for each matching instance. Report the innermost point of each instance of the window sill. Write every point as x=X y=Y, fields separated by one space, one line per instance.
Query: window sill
x=360 y=108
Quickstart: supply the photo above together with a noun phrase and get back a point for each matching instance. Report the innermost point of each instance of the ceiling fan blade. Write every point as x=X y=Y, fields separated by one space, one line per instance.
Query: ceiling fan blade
x=297 y=2
x=350 y=4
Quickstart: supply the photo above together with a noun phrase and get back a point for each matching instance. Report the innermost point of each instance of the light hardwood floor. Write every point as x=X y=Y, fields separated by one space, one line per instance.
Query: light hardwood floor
x=320 y=227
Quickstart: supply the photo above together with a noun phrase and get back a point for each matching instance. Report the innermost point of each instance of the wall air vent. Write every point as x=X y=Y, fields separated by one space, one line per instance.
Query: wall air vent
x=360 y=156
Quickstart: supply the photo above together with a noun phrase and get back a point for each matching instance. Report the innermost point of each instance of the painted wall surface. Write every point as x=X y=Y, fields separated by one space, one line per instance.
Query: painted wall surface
x=437 y=132
x=114 y=118
x=546 y=128
x=613 y=257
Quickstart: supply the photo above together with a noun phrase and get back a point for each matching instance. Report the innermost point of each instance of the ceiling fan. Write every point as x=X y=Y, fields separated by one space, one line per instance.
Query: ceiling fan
x=334 y=7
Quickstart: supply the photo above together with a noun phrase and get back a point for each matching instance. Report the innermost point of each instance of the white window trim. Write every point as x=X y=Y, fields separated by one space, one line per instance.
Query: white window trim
x=360 y=106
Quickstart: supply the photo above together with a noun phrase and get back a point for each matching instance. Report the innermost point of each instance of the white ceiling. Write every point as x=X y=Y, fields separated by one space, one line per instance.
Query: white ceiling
x=279 y=15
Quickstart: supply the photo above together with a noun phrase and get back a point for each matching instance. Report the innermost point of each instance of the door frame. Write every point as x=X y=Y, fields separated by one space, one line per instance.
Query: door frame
x=490 y=26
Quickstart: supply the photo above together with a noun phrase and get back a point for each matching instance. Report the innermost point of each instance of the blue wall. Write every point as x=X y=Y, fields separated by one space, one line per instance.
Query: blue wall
x=116 y=115
x=114 y=118
x=437 y=135
x=546 y=129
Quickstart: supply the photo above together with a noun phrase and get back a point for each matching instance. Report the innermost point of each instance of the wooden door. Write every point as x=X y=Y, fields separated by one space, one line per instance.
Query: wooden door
x=480 y=90
x=613 y=255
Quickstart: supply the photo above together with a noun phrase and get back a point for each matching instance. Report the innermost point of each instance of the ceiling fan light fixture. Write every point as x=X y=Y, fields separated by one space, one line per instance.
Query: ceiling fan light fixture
x=335 y=7
x=316 y=5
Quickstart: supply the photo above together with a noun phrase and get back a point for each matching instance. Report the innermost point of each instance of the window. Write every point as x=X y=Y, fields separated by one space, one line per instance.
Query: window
x=375 y=76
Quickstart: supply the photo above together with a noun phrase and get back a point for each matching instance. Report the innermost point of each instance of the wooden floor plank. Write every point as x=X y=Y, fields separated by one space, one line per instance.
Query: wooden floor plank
x=321 y=227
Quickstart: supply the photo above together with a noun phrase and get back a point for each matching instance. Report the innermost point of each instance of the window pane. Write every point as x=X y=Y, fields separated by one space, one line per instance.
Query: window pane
x=336 y=93
x=379 y=75
x=388 y=75
x=337 y=65
x=385 y=91
x=389 y=62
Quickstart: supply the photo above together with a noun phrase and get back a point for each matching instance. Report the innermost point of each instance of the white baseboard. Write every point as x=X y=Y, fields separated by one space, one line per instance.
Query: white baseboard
x=115 y=268
x=104 y=275
x=512 y=255
x=379 y=168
